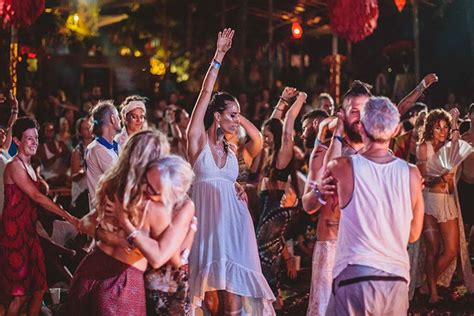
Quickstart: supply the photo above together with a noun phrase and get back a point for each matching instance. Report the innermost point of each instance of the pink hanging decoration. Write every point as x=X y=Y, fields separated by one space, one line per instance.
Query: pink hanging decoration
x=353 y=20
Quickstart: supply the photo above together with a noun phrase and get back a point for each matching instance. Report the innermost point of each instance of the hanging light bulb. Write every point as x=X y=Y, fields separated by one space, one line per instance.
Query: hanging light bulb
x=296 y=30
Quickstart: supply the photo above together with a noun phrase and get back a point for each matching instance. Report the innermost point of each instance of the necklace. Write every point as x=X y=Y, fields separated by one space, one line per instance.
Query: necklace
x=349 y=148
x=219 y=150
x=389 y=153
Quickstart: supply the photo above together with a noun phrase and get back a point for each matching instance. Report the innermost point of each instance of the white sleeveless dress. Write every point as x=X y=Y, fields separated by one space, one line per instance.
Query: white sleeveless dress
x=224 y=255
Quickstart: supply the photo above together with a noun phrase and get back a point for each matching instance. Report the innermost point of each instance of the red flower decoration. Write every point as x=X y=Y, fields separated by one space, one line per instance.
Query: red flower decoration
x=353 y=20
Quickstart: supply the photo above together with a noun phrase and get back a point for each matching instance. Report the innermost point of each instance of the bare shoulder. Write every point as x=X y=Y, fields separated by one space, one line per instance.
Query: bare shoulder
x=339 y=162
x=14 y=165
x=187 y=208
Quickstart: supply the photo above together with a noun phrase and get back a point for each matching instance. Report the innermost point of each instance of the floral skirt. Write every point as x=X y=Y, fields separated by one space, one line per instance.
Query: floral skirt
x=167 y=291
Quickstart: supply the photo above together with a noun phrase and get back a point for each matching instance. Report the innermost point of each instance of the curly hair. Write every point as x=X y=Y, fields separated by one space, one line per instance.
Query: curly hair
x=124 y=180
x=433 y=117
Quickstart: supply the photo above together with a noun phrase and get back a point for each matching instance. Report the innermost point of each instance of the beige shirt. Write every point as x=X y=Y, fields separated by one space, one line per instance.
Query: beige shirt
x=98 y=160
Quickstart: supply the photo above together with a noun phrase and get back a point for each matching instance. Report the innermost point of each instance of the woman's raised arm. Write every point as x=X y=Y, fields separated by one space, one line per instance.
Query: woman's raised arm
x=286 y=152
x=196 y=132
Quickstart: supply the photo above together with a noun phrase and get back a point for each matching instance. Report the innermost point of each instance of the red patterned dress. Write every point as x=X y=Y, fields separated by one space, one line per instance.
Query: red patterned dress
x=21 y=256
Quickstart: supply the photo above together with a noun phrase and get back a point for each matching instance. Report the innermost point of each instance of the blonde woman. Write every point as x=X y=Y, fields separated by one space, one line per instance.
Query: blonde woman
x=110 y=281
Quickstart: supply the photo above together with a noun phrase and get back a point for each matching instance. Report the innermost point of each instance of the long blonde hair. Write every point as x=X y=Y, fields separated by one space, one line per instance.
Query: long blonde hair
x=176 y=176
x=124 y=180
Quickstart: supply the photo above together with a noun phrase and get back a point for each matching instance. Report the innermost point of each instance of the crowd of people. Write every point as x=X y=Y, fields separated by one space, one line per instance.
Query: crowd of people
x=170 y=212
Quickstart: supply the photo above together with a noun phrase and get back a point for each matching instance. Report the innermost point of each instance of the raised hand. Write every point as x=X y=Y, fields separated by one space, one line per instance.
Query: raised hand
x=289 y=93
x=455 y=114
x=14 y=102
x=339 y=123
x=302 y=96
x=428 y=80
x=224 y=40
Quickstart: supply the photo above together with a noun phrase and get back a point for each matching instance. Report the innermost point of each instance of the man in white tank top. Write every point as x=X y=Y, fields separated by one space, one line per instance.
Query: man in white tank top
x=381 y=211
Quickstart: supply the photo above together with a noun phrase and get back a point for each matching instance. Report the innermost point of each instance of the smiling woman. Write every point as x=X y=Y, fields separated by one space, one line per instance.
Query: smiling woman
x=225 y=269
x=22 y=260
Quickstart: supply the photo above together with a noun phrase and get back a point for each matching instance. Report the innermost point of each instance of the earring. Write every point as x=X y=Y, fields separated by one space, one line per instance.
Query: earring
x=219 y=131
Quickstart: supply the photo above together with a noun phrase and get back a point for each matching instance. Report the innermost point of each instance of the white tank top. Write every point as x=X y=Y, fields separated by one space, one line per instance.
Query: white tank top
x=375 y=225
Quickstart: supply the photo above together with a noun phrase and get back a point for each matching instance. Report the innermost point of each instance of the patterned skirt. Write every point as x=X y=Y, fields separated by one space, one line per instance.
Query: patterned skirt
x=103 y=285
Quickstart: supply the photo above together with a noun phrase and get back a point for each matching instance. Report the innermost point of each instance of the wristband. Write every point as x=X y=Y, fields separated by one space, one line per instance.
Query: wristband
x=132 y=236
x=215 y=64
x=455 y=130
x=319 y=196
x=284 y=100
x=423 y=83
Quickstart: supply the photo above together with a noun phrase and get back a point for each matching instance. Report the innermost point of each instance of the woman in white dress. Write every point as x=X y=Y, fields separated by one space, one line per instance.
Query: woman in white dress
x=224 y=265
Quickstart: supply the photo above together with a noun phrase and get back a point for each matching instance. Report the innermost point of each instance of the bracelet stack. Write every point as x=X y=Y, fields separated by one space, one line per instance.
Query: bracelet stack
x=132 y=236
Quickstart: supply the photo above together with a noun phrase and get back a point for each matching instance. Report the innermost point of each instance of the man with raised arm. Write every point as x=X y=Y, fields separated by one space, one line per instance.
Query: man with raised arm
x=381 y=211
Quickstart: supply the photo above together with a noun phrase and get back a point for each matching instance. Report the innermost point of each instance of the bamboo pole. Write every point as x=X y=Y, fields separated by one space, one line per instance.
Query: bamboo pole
x=13 y=59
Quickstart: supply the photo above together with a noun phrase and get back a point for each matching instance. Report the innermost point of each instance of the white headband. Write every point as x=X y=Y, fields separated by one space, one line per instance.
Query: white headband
x=132 y=106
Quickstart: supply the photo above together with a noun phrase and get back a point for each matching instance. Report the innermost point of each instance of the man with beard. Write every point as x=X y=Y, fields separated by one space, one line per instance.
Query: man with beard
x=327 y=227
x=310 y=125
x=346 y=141
x=102 y=153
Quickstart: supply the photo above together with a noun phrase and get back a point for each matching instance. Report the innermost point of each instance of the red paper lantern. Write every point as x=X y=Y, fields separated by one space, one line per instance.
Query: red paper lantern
x=400 y=4
x=20 y=13
x=296 y=30
x=353 y=20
